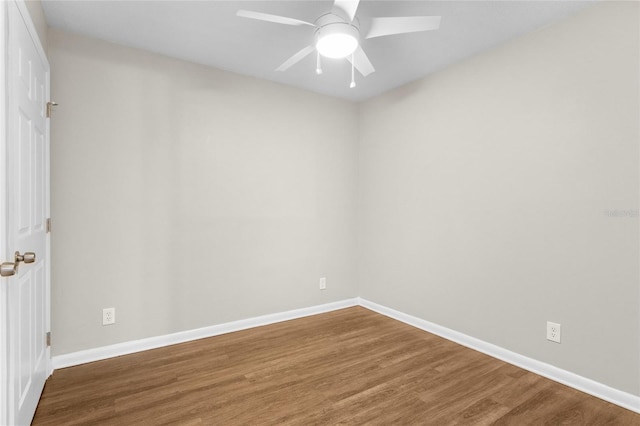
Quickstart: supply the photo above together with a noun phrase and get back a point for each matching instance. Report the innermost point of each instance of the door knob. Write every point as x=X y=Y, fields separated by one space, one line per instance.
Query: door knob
x=27 y=257
x=8 y=269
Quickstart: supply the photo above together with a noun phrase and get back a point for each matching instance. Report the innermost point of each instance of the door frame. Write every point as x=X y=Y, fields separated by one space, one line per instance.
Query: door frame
x=5 y=248
x=4 y=353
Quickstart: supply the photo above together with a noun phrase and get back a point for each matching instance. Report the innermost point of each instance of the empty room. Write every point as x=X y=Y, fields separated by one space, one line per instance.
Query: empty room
x=293 y=212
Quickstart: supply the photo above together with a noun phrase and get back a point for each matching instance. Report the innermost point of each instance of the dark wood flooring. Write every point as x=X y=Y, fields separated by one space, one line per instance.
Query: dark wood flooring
x=351 y=366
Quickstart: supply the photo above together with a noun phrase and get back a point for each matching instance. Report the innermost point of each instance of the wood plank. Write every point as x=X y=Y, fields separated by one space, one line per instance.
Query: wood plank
x=351 y=366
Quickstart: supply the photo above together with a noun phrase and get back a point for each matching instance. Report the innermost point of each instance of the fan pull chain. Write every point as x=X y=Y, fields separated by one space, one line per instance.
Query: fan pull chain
x=318 y=65
x=353 y=80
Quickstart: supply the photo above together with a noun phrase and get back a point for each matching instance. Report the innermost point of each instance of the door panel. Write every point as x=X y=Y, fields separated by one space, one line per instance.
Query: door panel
x=27 y=209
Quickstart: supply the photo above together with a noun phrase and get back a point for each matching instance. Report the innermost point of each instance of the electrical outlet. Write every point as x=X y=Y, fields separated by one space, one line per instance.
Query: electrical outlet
x=323 y=283
x=553 y=332
x=108 y=316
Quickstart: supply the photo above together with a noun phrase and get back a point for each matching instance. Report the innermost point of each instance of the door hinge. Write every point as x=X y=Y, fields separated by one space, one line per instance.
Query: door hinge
x=48 y=225
x=48 y=338
x=50 y=105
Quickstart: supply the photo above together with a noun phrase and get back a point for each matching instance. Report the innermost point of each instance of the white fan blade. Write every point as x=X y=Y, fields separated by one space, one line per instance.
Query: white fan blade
x=410 y=24
x=361 y=62
x=271 y=18
x=348 y=7
x=296 y=58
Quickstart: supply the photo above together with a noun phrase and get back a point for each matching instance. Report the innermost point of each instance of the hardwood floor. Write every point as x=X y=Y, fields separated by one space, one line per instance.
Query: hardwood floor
x=351 y=366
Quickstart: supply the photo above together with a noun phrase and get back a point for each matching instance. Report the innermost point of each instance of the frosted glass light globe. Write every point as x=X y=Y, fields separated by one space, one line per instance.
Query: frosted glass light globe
x=337 y=40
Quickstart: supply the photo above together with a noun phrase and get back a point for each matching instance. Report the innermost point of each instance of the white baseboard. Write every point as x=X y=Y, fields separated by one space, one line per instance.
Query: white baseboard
x=615 y=396
x=623 y=399
x=97 y=354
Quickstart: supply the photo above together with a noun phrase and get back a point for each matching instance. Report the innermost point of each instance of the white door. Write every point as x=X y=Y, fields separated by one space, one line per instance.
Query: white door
x=26 y=208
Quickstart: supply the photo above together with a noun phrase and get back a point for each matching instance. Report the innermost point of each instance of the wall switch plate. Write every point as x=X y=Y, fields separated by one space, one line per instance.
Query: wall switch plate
x=323 y=283
x=553 y=332
x=108 y=316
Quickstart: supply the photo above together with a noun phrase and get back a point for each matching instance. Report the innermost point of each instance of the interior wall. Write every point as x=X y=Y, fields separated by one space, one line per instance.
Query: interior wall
x=186 y=197
x=491 y=197
x=502 y=193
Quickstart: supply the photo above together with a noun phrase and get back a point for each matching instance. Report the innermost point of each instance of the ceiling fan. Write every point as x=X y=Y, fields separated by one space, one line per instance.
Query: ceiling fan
x=337 y=34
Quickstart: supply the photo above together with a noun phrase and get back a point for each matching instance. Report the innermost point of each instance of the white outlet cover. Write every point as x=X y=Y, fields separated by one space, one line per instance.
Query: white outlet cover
x=323 y=283
x=553 y=331
x=108 y=316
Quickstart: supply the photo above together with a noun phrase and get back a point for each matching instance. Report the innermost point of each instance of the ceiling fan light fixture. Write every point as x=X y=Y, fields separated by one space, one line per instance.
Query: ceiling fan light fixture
x=337 y=40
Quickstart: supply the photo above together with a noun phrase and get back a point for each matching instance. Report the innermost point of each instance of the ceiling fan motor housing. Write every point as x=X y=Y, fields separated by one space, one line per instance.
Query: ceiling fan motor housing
x=335 y=37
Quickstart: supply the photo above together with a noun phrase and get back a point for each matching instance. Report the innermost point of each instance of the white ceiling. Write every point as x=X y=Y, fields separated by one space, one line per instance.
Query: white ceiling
x=209 y=33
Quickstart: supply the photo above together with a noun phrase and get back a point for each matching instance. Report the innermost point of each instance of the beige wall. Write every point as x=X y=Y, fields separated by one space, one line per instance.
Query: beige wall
x=186 y=197
x=486 y=194
x=481 y=197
